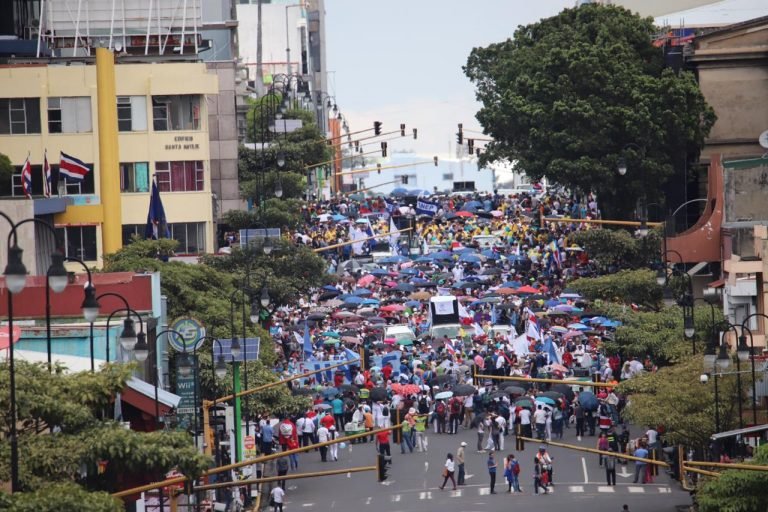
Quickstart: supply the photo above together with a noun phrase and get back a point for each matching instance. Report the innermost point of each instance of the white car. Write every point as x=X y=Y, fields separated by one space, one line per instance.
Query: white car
x=400 y=332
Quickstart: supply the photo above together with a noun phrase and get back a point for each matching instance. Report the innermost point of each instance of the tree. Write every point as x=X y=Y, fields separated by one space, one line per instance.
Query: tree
x=656 y=334
x=565 y=96
x=674 y=398
x=72 y=405
x=6 y=167
x=613 y=249
x=625 y=286
x=736 y=490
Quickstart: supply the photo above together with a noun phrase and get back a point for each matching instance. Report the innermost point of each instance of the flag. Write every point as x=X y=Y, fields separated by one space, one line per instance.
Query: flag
x=551 y=351
x=72 y=169
x=494 y=317
x=307 y=342
x=46 y=175
x=26 y=178
x=533 y=326
x=555 y=254
x=394 y=234
x=157 y=225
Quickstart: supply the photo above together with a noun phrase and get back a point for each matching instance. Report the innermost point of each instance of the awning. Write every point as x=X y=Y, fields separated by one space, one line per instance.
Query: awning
x=717 y=284
x=141 y=395
x=757 y=429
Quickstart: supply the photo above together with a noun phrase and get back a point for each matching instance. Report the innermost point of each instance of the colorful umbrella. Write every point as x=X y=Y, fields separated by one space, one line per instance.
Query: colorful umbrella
x=444 y=395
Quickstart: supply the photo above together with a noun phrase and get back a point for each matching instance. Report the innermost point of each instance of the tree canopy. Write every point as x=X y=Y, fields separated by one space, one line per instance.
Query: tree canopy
x=614 y=249
x=736 y=490
x=565 y=97
x=626 y=287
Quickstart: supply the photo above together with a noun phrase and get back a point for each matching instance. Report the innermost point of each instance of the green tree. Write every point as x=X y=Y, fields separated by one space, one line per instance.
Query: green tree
x=56 y=497
x=674 y=398
x=736 y=490
x=565 y=95
x=6 y=167
x=73 y=406
x=626 y=286
x=618 y=248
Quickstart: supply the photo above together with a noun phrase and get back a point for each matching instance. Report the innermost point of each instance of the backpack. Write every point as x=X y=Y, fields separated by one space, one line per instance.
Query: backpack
x=440 y=409
x=515 y=467
x=385 y=411
x=286 y=429
x=455 y=407
x=423 y=407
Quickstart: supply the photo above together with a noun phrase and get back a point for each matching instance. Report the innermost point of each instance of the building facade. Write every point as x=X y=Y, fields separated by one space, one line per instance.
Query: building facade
x=163 y=128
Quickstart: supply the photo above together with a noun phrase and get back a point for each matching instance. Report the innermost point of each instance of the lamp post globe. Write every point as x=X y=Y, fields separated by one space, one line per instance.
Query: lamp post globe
x=15 y=271
x=742 y=350
x=90 y=305
x=184 y=365
x=254 y=313
x=221 y=368
x=622 y=167
x=57 y=273
x=264 y=298
x=235 y=348
x=141 y=352
x=128 y=338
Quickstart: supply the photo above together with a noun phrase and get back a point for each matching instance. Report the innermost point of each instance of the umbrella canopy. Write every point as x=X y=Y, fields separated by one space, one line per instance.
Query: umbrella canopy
x=527 y=290
x=349 y=387
x=333 y=303
x=405 y=389
x=404 y=287
x=316 y=316
x=330 y=334
x=380 y=272
x=444 y=395
x=322 y=407
x=440 y=379
x=565 y=389
x=558 y=329
x=578 y=326
x=362 y=292
x=353 y=300
x=303 y=391
x=524 y=402
x=330 y=392
x=463 y=390
x=554 y=395
x=378 y=394
x=420 y=295
x=392 y=308
x=366 y=280
x=394 y=259
x=514 y=390
x=351 y=339
x=545 y=400
x=588 y=400
x=464 y=214
x=571 y=334
x=340 y=315
x=505 y=291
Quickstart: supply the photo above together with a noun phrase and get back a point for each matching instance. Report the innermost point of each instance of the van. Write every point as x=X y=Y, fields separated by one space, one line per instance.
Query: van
x=402 y=334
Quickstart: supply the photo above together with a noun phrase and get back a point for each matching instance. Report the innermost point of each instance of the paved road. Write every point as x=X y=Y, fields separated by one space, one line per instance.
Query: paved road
x=414 y=480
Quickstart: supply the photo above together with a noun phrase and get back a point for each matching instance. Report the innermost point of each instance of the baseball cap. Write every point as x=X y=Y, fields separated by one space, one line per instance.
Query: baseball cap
x=463 y=443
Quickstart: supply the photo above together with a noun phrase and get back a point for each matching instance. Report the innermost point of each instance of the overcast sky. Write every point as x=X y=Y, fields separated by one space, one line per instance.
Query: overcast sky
x=399 y=61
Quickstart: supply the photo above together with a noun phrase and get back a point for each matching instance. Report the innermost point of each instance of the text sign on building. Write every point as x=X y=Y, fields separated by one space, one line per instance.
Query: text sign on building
x=185 y=388
x=183 y=142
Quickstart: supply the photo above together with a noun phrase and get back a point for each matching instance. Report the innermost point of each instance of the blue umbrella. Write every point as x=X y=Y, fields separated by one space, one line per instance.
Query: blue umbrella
x=394 y=259
x=612 y=324
x=545 y=400
x=488 y=253
x=597 y=320
x=409 y=271
x=423 y=259
x=441 y=255
x=552 y=303
x=330 y=288
x=380 y=272
x=399 y=191
x=370 y=302
x=511 y=284
x=472 y=204
x=588 y=400
x=419 y=280
x=462 y=250
x=413 y=304
x=578 y=326
x=470 y=258
x=354 y=300
x=330 y=392
x=362 y=292
x=405 y=287
x=338 y=218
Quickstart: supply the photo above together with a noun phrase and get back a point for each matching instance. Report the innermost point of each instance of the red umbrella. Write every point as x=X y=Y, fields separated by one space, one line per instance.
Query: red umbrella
x=392 y=308
x=527 y=289
x=465 y=214
x=365 y=280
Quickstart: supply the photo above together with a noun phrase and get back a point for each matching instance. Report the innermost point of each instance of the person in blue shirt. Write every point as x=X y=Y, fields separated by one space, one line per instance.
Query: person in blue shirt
x=267 y=436
x=641 y=452
x=492 y=465
x=337 y=405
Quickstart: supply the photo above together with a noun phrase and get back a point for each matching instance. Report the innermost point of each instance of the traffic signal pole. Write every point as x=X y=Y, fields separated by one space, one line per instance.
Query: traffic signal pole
x=238 y=451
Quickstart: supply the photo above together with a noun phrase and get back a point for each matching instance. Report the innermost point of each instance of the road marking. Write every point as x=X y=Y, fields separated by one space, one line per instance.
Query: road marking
x=584 y=467
x=349 y=475
x=665 y=490
x=425 y=495
x=484 y=491
x=605 y=488
x=426 y=466
x=395 y=497
x=368 y=500
x=388 y=482
x=307 y=504
x=624 y=473
x=467 y=477
x=576 y=488
x=635 y=490
x=456 y=494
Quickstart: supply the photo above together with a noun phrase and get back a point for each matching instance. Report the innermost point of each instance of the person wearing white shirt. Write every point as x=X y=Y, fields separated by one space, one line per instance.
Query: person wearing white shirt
x=502 y=423
x=276 y=498
x=468 y=405
x=307 y=431
x=323 y=435
x=525 y=422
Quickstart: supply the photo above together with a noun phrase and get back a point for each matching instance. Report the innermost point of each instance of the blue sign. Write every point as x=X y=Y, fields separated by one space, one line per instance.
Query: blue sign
x=426 y=208
x=191 y=330
x=249 y=349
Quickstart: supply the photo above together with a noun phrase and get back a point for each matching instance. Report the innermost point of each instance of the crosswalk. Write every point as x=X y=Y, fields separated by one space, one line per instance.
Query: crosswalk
x=478 y=491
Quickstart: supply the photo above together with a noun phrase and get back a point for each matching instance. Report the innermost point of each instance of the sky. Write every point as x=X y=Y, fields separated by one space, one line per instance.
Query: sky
x=400 y=61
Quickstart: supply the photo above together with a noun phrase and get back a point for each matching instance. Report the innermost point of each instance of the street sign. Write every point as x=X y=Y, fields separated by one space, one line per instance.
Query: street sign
x=185 y=411
x=191 y=329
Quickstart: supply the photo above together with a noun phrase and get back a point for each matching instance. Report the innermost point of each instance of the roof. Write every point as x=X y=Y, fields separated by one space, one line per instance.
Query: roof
x=145 y=388
x=740 y=431
x=716 y=14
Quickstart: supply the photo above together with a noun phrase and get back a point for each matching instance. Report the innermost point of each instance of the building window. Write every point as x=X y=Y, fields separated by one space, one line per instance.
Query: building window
x=69 y=115
x=190 y=235
x=186 y=176
x=19 y=116
x=84 y=187
x=448 y=176
x=79 y=241
x=129 y=230
x=132 y=113
x=134 y=177
x=176 y=112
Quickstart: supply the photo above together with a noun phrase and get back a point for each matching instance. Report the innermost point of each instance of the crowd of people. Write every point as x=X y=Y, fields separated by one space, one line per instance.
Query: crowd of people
x=508 y=262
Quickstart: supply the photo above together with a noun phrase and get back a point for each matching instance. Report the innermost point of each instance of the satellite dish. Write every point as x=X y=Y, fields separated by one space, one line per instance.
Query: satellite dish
x=763 y=139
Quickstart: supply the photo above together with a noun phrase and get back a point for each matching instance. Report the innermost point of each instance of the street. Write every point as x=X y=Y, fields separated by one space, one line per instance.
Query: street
x=414 y=479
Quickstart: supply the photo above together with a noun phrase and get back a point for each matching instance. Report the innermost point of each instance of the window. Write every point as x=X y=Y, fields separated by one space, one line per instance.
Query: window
x=132 y=113
x=69 y=115
x=134 y=177
x=190 y=235
x=132 y=229
x=19 y=116
x=448 y=176
x=180 y=176
x=79 y=241
x=176 y=112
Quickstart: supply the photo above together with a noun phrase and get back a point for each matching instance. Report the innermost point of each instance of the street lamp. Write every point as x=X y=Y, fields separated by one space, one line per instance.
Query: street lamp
x=742 y=341
x=93 y=319
x=264 y=298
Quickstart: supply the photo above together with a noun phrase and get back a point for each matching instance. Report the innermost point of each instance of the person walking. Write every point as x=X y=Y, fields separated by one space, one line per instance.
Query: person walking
x=492 y=465
x=602 y=445
x=276 y=498
x=480 y=435
x=382 y=439
x=540 y=420
x=323 y=435
x=448 y=469
x=578 y=412
x=641 y=452
x=460 y=461
x=267 y=436
x=334 y=448
x=514 y=467
x=420 y=433
x=610 y=468
x=282 y=469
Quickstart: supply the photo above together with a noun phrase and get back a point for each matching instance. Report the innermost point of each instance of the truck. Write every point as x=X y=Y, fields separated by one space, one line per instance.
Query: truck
x=444 y=318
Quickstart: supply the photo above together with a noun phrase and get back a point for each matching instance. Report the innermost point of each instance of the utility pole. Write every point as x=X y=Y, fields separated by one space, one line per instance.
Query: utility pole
x=259 y=50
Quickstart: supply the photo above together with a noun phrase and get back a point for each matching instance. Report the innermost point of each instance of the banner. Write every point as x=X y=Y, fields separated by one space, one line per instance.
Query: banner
x=426 y=208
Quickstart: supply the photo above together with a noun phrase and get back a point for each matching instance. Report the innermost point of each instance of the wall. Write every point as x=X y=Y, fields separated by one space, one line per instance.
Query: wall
x=19 y=210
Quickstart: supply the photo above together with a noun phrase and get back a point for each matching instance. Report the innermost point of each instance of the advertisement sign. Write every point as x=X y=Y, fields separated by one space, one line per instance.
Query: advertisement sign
x=191 y=329
x=249 y=443
x=185 y=412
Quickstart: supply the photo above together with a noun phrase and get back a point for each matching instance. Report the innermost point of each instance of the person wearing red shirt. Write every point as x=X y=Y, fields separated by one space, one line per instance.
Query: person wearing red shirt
x=382 y=439
x=327 y=421
x=387 y=371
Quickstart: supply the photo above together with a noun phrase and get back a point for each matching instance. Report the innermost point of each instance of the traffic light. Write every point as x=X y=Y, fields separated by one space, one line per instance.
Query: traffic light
x=435 y=159
x=382 y=461
x=357 y=144
x=404 y=179
x=402 y=130
x=471 y=146
x=383 y=149
x=460 y=135
x=415 y=133
x=378 y=168
x=377 y=127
